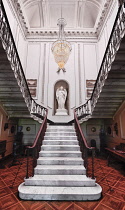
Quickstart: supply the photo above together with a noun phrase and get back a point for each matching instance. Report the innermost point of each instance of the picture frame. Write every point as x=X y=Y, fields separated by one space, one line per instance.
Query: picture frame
x=89 y=92
x=32 y=82
x=93 y=130
x=29 y=129
x=90 y=83
x=33 y=92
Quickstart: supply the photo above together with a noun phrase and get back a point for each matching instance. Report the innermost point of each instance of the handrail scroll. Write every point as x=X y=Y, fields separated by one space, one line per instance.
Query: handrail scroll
x=36 y=147
x=84 y=146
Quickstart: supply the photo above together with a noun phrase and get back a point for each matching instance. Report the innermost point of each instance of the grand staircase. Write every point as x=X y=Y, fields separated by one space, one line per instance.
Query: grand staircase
x=60 y=173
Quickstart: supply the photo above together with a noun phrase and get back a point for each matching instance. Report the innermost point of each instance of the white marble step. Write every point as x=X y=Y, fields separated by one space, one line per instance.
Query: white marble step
x=60 y=180
x=59 y=161
x=60 y=147
x=60 y=133
x=59 y=193
x=59 y=169
x=60 y=142
x=60 y=129
x=60 y=153
x=60 y=137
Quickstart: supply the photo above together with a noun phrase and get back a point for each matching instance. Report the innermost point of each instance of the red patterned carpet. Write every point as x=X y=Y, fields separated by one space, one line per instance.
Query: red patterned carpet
x=108 y=177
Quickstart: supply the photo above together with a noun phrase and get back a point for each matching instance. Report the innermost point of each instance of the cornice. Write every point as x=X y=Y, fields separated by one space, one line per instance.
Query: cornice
x=16 y=9
x=107 y=7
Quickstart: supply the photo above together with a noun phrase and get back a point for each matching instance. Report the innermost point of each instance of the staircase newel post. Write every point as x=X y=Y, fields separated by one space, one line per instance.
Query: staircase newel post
x=27 y=167
x=86 y=160
x=93 y=154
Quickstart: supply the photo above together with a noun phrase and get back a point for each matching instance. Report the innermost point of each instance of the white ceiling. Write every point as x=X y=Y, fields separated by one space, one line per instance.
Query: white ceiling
x=45 y=13
x=80 y=15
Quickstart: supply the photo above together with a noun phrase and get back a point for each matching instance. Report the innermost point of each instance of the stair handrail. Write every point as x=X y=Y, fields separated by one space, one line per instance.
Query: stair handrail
x=35 y=148
x=113 y=45
x=9 y=46
x=84 y=146
x=83 y=109
x=117 y=34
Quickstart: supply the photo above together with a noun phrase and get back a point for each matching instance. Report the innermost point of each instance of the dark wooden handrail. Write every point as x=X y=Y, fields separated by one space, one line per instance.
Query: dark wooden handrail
x=84 y=146
x=35 y=148
x=81 y=133
x=39 y=132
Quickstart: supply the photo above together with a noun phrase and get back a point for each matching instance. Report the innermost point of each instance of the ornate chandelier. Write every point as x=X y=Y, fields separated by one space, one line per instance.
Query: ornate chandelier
x=61 y=48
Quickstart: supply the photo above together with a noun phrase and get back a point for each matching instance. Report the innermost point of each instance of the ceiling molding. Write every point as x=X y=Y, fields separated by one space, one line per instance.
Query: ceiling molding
x=16 y=9
x=52 y=34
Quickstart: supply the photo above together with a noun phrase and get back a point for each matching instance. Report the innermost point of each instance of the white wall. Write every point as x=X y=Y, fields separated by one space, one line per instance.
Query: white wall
x=18 y=36
x=105 y=34
x=82 y=65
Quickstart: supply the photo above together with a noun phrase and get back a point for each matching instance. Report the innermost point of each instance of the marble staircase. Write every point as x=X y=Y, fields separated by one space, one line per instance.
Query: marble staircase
x=60 y=173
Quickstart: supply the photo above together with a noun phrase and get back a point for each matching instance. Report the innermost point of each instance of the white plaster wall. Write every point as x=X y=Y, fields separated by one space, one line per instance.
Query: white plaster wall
x=11 y=17
x=41 y=65
x=83 y=64
x=105 y=35
x=19 y=39
x=22 y=49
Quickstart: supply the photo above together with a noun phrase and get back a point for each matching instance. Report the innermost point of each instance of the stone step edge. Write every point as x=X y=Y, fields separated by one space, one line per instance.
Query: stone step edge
x=60 y=151
x=60 y=167
x=60 y=158
x=59 y=193
x=62 y=177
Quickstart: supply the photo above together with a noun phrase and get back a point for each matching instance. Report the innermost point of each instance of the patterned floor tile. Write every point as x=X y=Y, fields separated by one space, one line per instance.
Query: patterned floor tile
x=113 y=202
x=87 y=205
x=8 y=201
x=103 y=207
x=2 y=184
x=4 y=191
x=45 y=206
x=117 y=194
x=59 y=205
x=32 y=205
x=120 y=185
x=15 y=207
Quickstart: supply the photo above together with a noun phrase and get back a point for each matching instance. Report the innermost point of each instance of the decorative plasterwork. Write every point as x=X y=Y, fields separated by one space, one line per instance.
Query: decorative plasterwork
x=15 y=7
x=77 y=33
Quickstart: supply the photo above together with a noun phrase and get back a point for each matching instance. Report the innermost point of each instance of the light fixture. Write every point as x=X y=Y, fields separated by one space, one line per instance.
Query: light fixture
x=61 y=48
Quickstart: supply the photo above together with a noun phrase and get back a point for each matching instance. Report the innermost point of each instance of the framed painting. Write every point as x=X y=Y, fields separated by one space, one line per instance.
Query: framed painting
x=90 y=83
x=32 y=82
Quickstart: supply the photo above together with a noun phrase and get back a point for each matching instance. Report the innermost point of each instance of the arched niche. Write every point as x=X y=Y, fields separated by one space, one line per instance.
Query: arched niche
x=56 y=86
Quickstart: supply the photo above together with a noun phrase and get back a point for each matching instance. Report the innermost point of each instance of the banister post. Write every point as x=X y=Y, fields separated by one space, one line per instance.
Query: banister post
x=27 y=167
x=93 y=154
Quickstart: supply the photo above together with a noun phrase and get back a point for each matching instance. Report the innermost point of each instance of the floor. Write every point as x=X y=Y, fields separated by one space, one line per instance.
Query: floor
x=112 y=180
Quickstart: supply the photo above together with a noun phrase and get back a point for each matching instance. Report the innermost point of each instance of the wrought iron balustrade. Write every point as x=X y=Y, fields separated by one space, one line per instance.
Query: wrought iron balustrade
x=116 y=36
x=84 y=147
x=113 y=45
x=36 y=147
x=83 y=110
x=9 y=46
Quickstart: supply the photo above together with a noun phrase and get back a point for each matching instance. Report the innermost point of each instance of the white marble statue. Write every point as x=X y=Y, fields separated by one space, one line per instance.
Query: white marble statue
x=61 y=95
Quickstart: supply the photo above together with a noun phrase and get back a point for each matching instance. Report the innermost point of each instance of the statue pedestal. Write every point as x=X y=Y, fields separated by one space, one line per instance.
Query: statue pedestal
x=61 y=112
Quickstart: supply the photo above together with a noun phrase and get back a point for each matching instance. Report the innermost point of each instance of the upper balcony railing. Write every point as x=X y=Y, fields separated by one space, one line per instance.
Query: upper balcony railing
x=116 y=36
x=9 y=45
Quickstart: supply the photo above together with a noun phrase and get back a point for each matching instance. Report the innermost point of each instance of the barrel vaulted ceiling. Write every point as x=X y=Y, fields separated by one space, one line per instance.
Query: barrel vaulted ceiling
x=83 y=17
